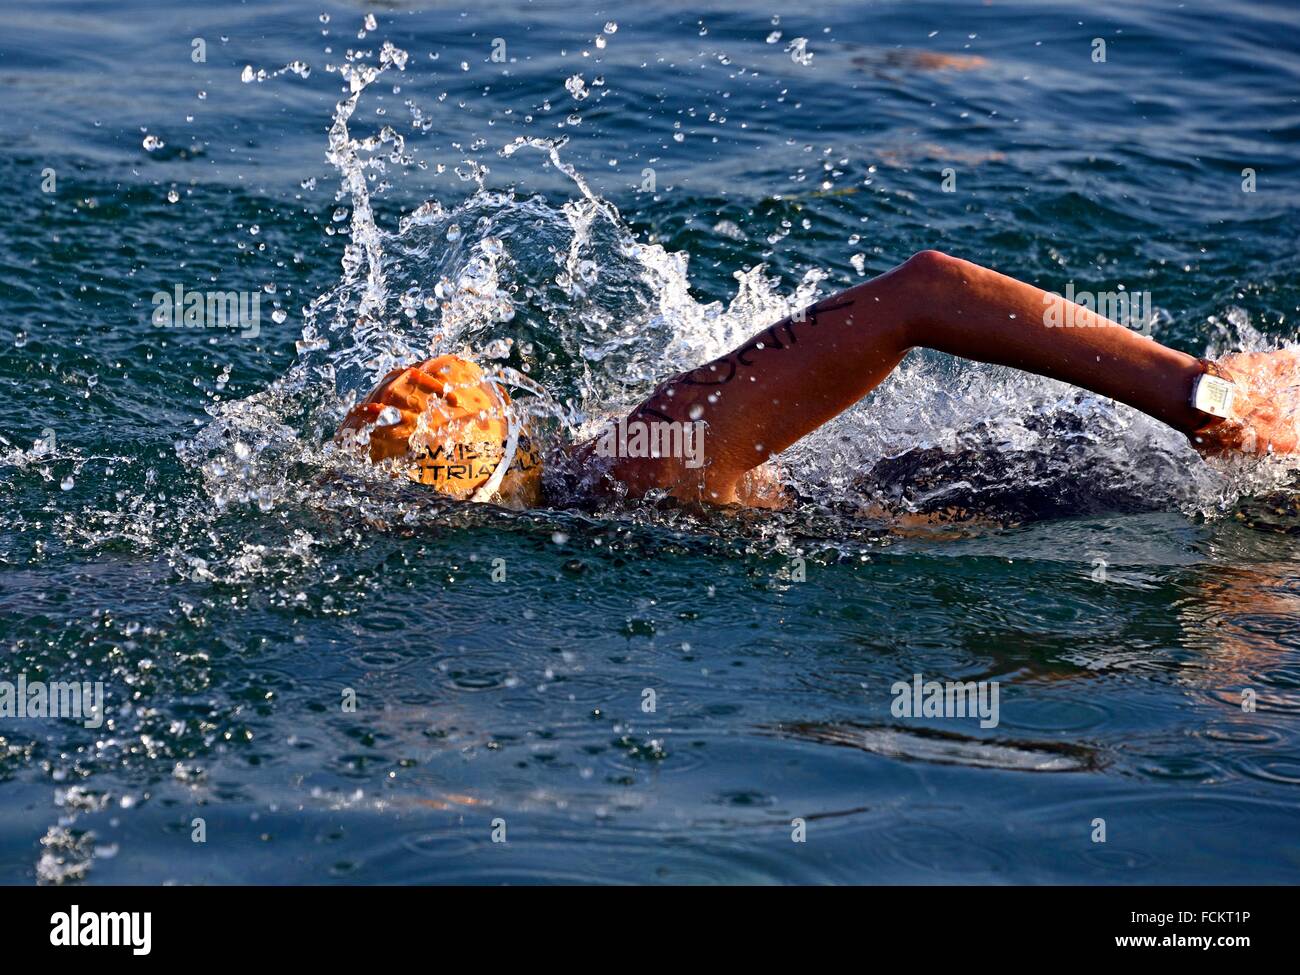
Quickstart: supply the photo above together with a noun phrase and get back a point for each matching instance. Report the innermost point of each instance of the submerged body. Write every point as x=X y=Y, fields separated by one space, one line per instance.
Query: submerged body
x=444 y=423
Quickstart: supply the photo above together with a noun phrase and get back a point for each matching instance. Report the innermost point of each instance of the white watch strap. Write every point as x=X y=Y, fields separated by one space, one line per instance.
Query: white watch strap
x=1213 y=395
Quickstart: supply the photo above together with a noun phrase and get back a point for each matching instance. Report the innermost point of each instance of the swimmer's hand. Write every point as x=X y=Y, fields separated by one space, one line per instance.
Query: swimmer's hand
x=1266 y=407
x=406 y=391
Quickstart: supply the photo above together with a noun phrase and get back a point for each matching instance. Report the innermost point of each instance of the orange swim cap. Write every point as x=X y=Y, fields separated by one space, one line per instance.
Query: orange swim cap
x=466 y=430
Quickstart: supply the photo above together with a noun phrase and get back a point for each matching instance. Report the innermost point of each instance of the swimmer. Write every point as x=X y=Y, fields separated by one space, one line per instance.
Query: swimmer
x=443 y=423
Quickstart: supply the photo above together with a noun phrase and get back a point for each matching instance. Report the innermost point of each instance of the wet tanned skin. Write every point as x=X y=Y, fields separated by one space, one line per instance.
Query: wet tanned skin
x=795 y=375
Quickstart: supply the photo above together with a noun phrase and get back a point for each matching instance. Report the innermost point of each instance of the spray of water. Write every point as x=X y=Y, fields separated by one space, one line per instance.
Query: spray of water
x=566 y=304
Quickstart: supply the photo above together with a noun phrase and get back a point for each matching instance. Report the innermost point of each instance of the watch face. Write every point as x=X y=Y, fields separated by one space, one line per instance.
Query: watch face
x=1213 y=395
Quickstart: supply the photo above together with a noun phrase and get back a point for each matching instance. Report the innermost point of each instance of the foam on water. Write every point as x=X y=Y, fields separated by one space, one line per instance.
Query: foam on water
x=579 y=314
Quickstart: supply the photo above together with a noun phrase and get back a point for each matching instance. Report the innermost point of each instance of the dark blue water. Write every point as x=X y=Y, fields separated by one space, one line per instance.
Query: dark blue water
x=171 y=526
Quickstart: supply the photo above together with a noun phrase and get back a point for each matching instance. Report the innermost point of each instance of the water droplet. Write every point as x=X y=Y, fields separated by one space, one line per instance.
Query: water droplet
x=498 y=348
x=799 y=53
x=577 y=87
x=67 y=483
x=152 y=142
x=312 y=344
x=389 y=416
x=173 y=196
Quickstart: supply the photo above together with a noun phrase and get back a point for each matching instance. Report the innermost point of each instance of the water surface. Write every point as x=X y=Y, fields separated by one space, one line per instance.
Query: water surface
x=174 y=526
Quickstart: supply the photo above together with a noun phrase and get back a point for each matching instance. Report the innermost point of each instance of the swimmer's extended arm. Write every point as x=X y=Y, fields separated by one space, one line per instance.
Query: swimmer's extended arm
x=791 y=378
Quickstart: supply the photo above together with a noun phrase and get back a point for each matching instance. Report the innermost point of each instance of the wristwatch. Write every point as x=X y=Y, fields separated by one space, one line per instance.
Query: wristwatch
x=1213 y=392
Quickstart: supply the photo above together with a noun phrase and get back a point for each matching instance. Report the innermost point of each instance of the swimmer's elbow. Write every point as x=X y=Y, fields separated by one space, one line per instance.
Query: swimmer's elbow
x=929 y=261
x=931 y=270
